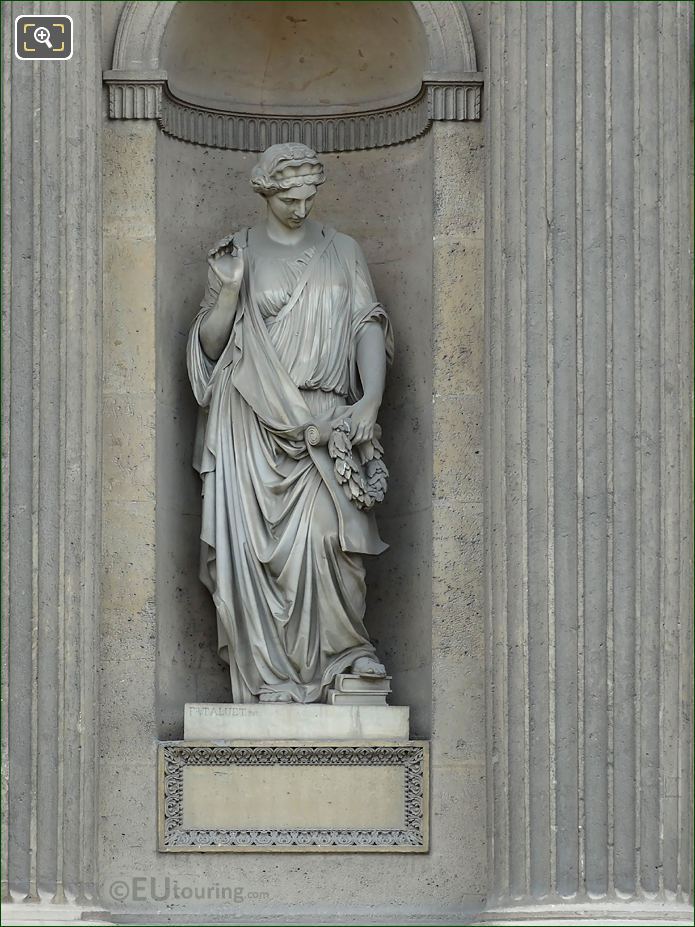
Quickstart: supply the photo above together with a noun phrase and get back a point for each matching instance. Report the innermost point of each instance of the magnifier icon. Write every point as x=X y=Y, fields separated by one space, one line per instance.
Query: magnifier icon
x=43 y=35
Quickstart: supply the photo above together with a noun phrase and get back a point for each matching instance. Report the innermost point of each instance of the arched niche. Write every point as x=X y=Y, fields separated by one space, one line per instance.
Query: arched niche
x=450 y=45
x=199 y=91
x=381 y=193
x=294 y=58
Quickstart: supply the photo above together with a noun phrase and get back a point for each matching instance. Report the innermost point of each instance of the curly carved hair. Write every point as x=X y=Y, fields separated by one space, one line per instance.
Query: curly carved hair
x=283 y=166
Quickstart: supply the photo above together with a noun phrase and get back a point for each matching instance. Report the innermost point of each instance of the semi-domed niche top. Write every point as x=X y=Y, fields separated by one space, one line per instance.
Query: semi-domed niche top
x=285 y=57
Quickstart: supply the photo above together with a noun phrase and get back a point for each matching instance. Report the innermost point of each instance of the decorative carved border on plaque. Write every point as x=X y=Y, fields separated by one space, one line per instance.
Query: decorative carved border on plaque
x=411 y=757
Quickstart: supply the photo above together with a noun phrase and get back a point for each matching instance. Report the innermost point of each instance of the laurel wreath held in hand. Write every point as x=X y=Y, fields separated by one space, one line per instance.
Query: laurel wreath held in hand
x=365 y=481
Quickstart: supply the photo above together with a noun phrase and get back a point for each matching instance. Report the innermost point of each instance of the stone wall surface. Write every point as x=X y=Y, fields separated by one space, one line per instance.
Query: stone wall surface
x=165 y=202
x=52 y=342
x=588 y=444
x=549 y=632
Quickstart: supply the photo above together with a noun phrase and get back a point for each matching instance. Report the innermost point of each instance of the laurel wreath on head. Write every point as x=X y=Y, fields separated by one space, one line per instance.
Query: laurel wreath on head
x=364 y=481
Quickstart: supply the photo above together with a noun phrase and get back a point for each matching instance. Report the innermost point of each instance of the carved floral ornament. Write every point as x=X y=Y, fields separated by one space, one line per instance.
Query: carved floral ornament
x=175 y=757
x=139 y=89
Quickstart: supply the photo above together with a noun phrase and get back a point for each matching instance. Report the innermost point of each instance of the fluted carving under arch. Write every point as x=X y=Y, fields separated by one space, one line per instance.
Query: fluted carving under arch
x=138 y=89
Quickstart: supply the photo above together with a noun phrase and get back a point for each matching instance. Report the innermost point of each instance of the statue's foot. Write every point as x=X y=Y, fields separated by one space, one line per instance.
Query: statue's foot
x=368 y=666
x=274 y=697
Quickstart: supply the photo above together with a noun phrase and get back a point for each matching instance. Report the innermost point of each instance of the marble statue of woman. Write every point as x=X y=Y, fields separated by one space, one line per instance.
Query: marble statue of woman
x=287 y=358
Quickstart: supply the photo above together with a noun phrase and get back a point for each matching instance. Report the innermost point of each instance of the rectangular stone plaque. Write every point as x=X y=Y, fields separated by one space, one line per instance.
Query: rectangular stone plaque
x=255 y=796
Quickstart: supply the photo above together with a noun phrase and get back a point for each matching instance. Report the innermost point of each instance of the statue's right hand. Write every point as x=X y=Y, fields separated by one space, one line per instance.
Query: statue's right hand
x=228 y=268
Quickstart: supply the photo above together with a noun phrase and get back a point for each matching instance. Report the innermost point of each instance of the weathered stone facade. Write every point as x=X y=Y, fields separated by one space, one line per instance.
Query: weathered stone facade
x=542 y=630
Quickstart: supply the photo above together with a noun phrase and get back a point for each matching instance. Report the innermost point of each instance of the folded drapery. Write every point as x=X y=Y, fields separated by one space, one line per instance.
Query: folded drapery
x=280 y=539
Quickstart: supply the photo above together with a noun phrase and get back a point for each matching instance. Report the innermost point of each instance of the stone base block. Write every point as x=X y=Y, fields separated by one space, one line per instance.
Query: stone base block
x=52 y=915
x=293 y=796
x=641 y=912
x=295 y=722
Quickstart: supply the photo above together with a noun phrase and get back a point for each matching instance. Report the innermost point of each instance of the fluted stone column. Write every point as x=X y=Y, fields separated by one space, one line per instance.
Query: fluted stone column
x=588 y=516
x=52 y=461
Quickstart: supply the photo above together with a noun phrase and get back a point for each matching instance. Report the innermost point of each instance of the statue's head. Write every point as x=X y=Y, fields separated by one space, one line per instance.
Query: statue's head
x=288 y=176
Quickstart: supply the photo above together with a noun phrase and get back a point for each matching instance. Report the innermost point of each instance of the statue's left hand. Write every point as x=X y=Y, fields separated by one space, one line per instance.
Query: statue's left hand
x=362 y=417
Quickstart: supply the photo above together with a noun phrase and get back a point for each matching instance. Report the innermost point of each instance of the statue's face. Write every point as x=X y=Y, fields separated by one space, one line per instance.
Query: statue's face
x=291 y=207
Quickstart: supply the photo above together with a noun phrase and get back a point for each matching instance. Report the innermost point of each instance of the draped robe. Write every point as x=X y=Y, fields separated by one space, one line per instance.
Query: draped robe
x=281 y=545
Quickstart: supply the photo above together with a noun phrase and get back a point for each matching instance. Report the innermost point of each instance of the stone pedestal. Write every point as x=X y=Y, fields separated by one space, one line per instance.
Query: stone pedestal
x=295 y=722
x=319 y=778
